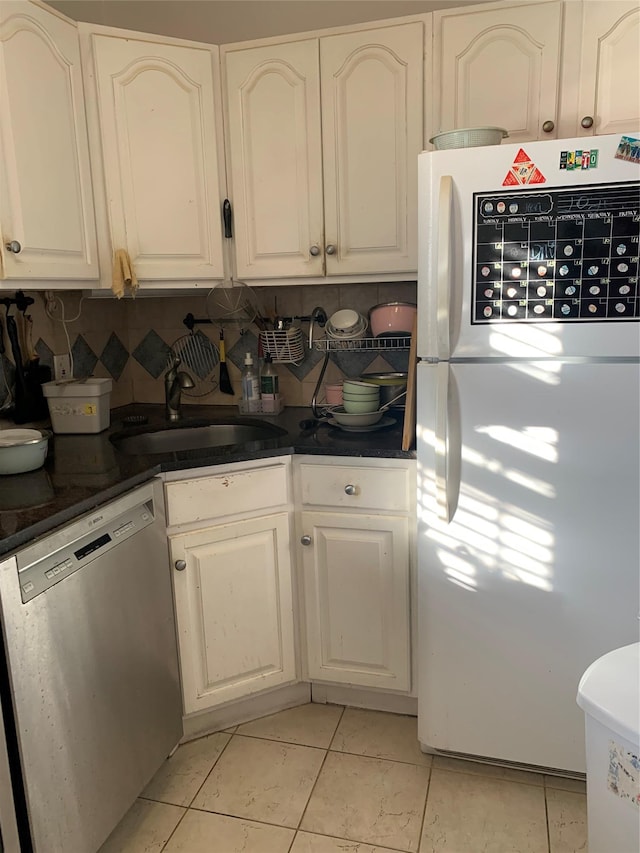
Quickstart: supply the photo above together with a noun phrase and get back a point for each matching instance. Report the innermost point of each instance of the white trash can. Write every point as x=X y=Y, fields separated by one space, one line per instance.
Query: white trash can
x=609 y=694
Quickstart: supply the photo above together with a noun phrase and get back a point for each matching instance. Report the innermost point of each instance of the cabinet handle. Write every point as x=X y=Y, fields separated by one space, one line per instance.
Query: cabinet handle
x=305 y=540
x=548 y=126
x=350 y=490
x=14 y=247
x=331 y=249
x=587 y=122
x=314 y=250
x=180 y=565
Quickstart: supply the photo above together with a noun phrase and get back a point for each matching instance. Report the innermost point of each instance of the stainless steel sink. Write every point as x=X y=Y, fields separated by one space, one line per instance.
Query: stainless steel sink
x=196 y=437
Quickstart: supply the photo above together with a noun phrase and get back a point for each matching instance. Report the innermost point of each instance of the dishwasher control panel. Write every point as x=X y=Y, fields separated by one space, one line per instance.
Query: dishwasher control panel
x=41 y=575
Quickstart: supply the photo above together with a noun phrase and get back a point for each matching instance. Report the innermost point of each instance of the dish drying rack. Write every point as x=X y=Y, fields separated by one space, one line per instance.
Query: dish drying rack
x=329 y=345
x=397 y=342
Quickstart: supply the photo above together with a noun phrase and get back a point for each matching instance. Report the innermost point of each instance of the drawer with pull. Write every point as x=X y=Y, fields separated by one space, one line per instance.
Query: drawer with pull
x=356 y=487
x=226 y=494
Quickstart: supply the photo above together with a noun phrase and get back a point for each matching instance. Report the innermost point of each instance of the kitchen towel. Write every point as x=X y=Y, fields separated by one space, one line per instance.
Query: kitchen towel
x=123 y=277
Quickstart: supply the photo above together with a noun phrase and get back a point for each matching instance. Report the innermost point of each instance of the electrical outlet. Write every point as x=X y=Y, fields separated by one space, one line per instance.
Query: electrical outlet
x=50 y=300
x=61 y=367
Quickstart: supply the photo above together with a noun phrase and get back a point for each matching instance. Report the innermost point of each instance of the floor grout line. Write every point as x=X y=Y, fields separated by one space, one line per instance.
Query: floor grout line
x=304 y=811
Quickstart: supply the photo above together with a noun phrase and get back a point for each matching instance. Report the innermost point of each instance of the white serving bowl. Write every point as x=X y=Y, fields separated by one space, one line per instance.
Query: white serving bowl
x=356 y=418
x=344 y=321
x=358 y=331
x=22 y=450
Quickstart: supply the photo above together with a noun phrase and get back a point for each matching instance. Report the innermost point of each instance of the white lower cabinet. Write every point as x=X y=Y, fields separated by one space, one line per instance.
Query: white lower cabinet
x=355 y=556
x=234 y=602
x=356 y=582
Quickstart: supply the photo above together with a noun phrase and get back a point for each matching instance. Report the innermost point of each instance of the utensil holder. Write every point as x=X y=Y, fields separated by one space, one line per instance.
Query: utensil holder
x=285 y=346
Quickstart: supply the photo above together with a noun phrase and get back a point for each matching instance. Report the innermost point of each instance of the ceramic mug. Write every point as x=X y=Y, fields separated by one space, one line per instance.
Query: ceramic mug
x=333 y=394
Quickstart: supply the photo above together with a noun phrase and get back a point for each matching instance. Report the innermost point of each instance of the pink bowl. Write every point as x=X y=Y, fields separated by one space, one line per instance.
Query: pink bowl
x=392 y=318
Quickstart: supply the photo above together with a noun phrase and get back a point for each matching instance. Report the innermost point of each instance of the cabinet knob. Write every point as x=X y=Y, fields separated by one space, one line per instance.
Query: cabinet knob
x=14 y=247
x=587 y=122
x=350 y=490
x=314 y=250
x=305 y=540
x=548 y=126
x=180 y=565
x=331 y=249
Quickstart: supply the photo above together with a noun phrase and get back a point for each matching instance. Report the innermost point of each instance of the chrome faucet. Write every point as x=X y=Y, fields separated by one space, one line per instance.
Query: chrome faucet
x=175 y=381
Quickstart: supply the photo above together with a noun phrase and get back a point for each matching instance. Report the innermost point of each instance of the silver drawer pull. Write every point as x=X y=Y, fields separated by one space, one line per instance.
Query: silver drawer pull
x=305 y=540
x=350 y=490
x=180 y=565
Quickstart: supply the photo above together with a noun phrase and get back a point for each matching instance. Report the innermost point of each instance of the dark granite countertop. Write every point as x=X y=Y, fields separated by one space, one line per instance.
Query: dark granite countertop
x=82 y=472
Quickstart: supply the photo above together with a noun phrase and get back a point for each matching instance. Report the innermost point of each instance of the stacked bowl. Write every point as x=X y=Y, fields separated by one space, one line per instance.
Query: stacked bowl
x=360 y=404
x=346 y=325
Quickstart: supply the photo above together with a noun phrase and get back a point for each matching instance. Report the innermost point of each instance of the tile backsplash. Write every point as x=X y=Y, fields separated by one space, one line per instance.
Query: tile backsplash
x=129 y=340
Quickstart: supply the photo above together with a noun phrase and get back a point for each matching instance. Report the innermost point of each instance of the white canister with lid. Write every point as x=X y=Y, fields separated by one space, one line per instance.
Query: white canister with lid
x=22 y=450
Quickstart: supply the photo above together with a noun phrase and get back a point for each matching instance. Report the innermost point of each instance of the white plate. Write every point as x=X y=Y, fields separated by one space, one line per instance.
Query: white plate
x=385 y=422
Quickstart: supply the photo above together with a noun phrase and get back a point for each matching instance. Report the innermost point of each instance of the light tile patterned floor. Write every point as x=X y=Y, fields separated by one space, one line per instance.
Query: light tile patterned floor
x=324 y=779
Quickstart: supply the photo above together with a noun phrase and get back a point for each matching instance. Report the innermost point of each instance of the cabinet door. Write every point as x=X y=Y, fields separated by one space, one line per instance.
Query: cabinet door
x=372 y=120
x=234 y=610
x=498 y=67
x=158 y=127
x=45 y=181
x=356 y=587
x=609 y=92
x=273 y=103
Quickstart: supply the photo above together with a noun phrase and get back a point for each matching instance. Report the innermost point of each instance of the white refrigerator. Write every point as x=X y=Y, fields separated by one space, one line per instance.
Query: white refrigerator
x=528 y=404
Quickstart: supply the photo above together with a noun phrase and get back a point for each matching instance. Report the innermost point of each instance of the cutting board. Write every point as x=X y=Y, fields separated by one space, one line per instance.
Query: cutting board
x=409 y=426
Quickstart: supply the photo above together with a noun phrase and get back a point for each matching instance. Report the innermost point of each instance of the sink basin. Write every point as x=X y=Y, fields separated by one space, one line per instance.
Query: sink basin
x=196 y=436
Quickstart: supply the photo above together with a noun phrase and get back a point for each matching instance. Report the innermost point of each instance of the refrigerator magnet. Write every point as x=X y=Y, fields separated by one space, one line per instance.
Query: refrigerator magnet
x=628 y=149
x=580 y=159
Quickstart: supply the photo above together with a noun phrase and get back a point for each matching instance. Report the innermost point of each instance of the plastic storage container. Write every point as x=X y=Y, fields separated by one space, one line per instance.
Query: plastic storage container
x=80 y=406
x=609 y=695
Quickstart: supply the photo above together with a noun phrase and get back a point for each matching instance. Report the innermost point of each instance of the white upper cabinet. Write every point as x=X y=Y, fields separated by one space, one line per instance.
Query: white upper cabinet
x=372 y=90
x=322 y=147
x=498 y=65
x=46 y=201
x=275 y=158
x=609 y=75
x=160 y=133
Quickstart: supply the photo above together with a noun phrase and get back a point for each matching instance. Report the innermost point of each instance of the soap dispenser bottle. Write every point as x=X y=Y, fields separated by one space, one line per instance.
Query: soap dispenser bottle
x=268 y=379
x=250 y=386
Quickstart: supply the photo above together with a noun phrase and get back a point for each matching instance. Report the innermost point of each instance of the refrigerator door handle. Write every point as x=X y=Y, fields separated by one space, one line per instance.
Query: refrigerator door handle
x=443 y=265
x=448 y=444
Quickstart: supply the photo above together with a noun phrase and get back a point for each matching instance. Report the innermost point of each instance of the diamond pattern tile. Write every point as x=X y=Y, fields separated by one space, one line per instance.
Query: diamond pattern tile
x=84 y=358
x=311 y=358
x=353 y=362
x=245 y=343
x=152 y=353
x=114 y=356
x=396 y=359
x=45 y=353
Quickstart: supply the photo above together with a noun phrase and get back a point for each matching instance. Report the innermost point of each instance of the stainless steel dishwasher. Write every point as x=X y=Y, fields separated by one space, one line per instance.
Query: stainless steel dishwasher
x=90 y=671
